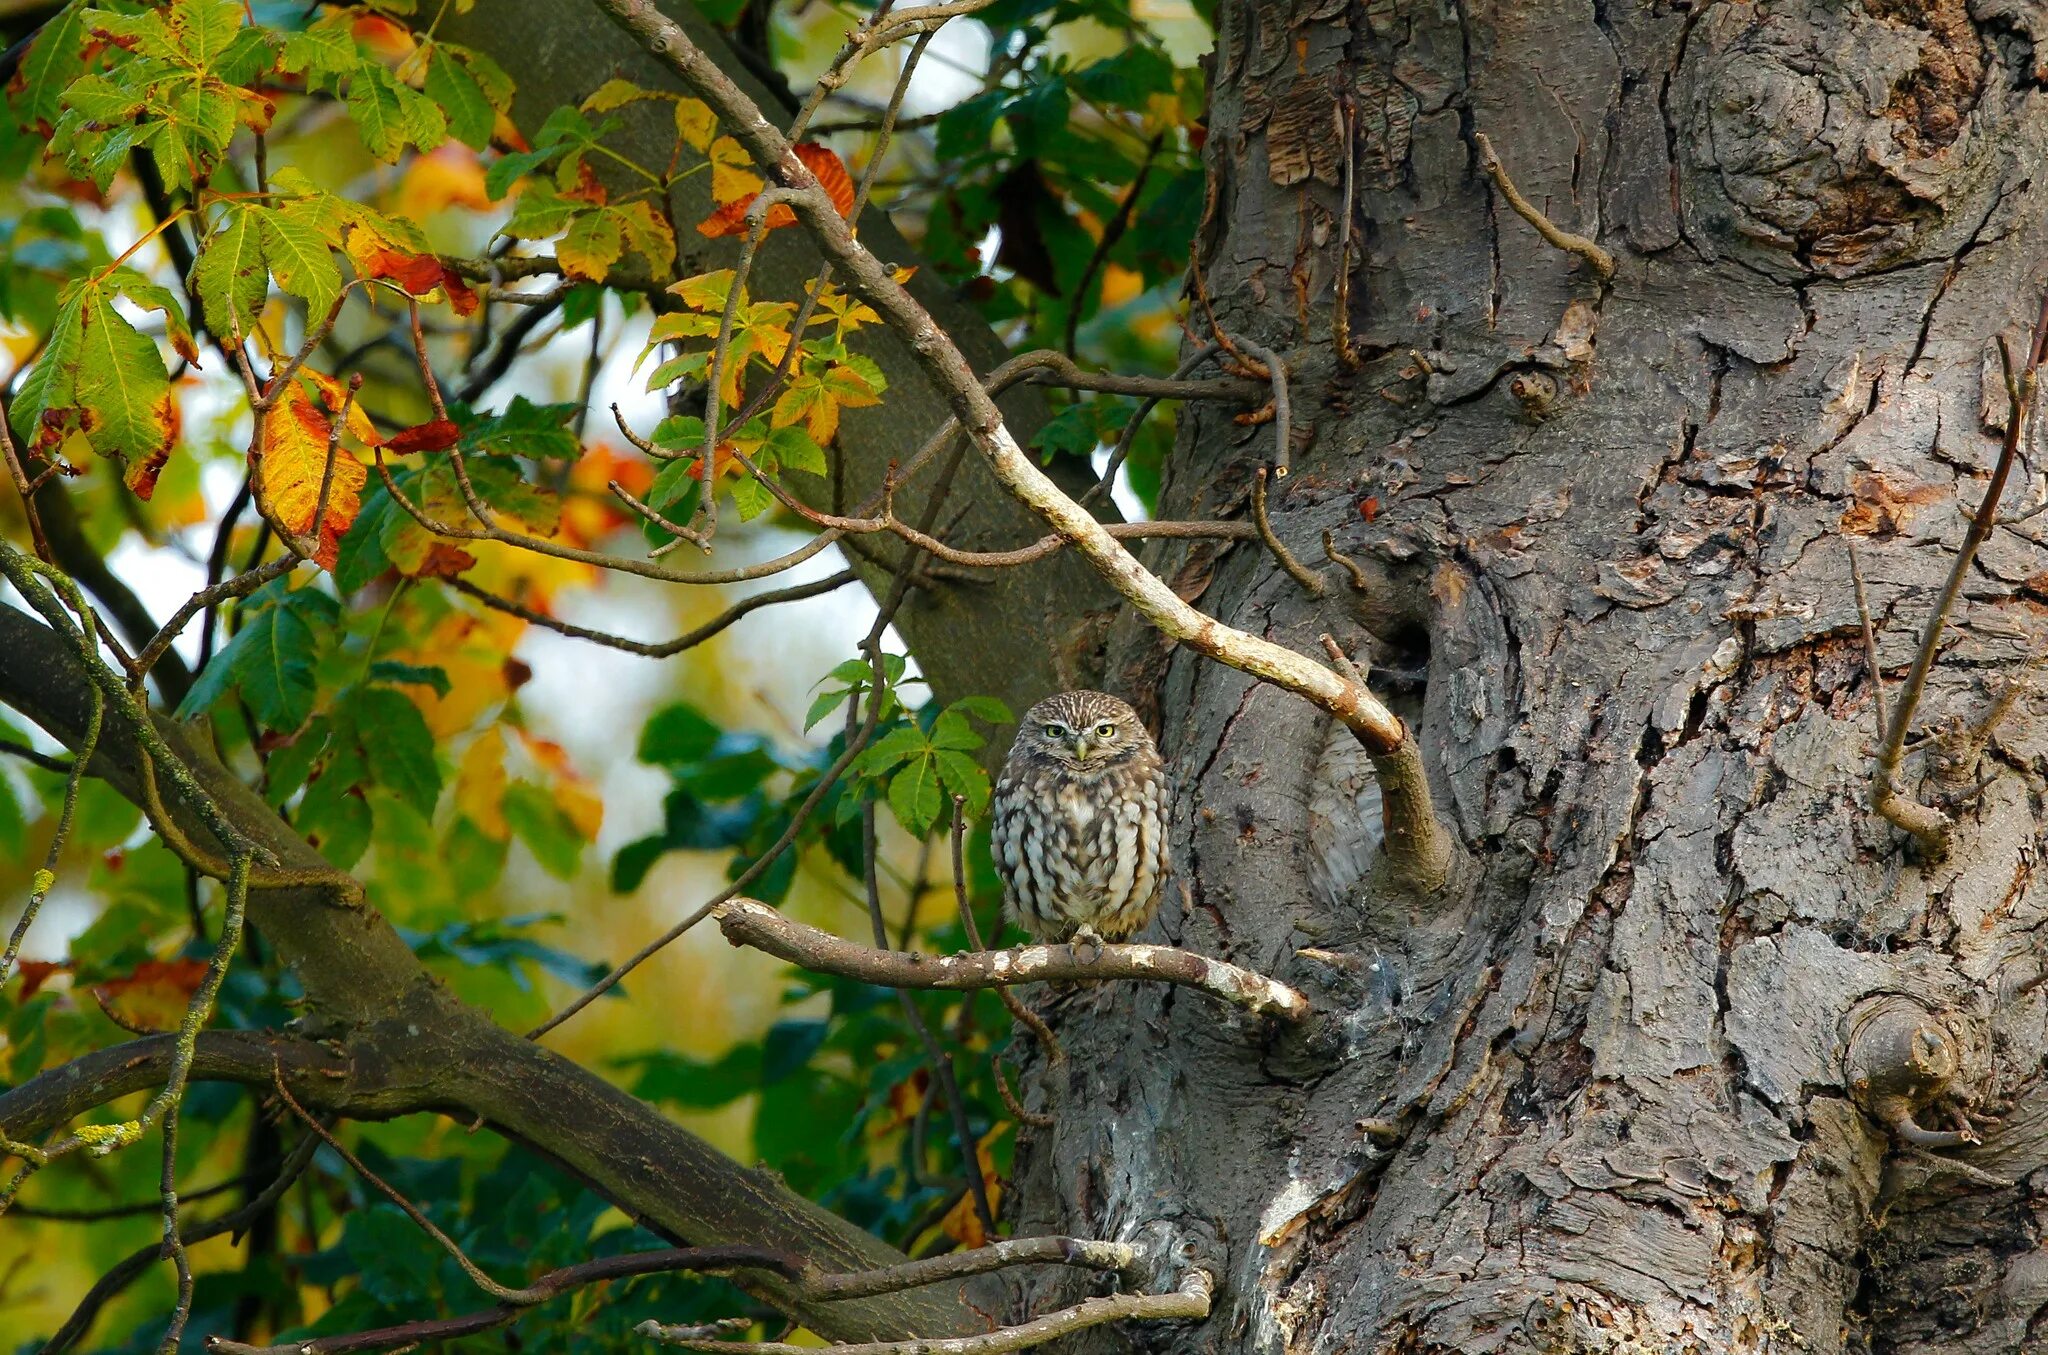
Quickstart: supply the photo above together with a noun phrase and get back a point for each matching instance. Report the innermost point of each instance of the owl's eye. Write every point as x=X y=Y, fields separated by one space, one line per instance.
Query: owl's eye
x=1055 y=731
x=1105 y=730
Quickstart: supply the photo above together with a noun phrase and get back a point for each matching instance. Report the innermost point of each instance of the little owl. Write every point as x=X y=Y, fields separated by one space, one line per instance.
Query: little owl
x=1079 y=826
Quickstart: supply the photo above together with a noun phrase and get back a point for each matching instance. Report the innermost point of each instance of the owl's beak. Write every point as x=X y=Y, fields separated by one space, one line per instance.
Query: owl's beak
x=1081 y=749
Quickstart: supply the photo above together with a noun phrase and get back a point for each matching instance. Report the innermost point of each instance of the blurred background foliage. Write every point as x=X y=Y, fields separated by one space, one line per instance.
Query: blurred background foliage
x=527 y=808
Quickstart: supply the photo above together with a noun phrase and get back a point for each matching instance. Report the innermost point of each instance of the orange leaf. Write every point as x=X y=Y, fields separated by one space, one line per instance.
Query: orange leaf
x=439 y=435
x=450 y=176
x=442 y=561
x=334 y=395
x=830 y=172
x=828 y=169
x=292 y=467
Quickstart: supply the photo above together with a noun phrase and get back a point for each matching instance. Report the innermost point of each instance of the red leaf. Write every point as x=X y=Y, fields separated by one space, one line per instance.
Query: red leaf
x=439 y=435
x=36 y=973
x=418 y=274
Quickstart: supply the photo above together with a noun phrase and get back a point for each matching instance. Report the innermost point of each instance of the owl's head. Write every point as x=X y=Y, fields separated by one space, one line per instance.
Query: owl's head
x=1087 y=731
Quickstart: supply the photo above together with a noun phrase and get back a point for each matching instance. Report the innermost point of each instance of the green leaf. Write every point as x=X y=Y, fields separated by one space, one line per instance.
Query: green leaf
x=986 y=708
x=54 y=57
x=898 y=745
x=299 y=256
x=751 y=497
x=335 y=817
x=1126 y=80
x=521 y=429
x=794 y=449
x=510 y=168
x=326 y=50
x=951 y=730
x=231 y=277
x=914 y=796
x=374 y=105
x=824 y=704
x=548 y=833
x=122 y=389
x=676 y=735
x=290 y=763
x=961 y=775
x=411 y=674
x=469 y=111
x=541 y=213
x=398 y=748
x=271 y=661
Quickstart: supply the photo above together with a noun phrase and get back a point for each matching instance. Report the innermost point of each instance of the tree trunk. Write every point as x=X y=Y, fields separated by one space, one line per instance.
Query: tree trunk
x=1618 y=1086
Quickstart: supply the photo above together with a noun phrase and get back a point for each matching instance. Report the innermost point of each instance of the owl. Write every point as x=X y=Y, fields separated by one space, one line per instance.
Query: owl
x=1079 y=822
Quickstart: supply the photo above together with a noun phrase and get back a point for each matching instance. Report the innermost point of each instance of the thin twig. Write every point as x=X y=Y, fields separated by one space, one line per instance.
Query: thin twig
x=1283 y=406
x=1568 y=241
x=1930 y=827
x=1870 y=664
x=665 y=648
x=1349 y=565
x=1310 y=581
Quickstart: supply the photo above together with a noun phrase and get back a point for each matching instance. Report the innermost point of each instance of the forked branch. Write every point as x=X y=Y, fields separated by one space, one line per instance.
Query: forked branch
x=747 y=923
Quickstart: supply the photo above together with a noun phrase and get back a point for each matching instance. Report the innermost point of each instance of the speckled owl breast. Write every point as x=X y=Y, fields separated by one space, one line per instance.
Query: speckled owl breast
x=1079 y=820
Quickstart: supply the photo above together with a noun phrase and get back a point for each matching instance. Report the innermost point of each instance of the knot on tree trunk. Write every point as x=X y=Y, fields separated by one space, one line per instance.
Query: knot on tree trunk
x=1903 y=1060
x=1840 y=139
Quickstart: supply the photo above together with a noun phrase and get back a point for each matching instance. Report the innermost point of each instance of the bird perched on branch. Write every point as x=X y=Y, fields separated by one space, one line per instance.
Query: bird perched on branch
x=1079 y=824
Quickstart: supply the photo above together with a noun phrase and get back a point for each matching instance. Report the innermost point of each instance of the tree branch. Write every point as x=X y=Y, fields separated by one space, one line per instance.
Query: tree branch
x=1568 y=241
x=747 y=923
x=1375 y=726
x=1187 y=1303
x=411 y=1046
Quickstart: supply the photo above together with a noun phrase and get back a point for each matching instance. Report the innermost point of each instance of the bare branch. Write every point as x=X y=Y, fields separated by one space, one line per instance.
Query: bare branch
x=1930 y=827
x=656 y=649
x=1187 y=1303
x=1568 y=241
x=748 y=923
x=1311 y=582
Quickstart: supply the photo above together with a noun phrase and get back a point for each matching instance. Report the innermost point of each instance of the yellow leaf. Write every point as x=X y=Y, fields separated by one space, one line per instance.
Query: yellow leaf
x=292 y=468
x=732 y=172
x=696 y=124
x=475 y=651
x=480 y=785
x=962 y=1223
x=705 y=291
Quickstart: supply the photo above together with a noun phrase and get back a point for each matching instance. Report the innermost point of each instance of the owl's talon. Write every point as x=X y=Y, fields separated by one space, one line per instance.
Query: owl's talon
x=1086 y=936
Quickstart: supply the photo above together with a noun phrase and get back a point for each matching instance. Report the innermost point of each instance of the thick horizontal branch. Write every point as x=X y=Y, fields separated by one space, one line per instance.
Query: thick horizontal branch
x=1187 y=1303
x=747 y=923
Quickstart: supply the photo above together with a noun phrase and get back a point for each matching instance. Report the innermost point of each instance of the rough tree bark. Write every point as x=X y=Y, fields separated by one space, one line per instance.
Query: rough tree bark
x=1601 y=1094
x=1619 y=1085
